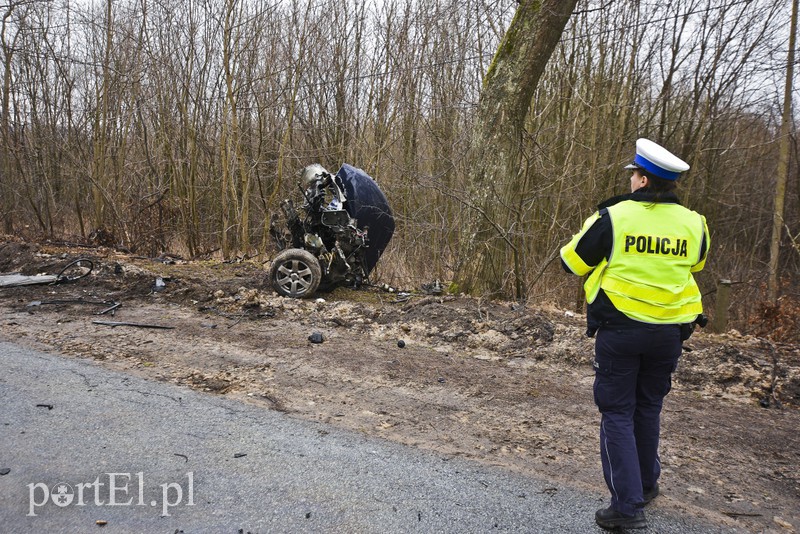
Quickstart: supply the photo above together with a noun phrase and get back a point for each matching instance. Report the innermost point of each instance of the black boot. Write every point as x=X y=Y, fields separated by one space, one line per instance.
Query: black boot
x=609 y=518
x=650 y=494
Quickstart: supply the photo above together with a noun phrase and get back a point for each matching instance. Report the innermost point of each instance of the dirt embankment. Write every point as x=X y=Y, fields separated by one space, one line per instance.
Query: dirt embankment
x=495 y=382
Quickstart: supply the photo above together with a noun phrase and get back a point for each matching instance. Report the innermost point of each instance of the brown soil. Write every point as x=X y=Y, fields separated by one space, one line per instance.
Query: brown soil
x=494 y=382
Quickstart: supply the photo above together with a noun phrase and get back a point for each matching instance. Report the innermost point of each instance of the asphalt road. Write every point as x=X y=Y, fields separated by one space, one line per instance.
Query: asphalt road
x=83 y=444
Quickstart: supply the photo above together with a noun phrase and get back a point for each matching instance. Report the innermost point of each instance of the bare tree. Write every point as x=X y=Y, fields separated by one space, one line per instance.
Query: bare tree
x=782 y=172
x=143 y=117
x=506 y=96
x=10 y=33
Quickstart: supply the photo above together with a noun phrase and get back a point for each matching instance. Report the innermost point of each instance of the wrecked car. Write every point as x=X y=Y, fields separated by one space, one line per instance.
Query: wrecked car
x=335 y=238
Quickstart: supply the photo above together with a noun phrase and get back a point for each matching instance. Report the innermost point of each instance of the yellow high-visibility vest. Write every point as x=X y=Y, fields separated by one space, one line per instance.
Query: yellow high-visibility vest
x=648 y=277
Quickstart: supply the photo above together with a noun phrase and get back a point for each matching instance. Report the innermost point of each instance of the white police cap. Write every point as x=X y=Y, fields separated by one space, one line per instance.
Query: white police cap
x=655 y=159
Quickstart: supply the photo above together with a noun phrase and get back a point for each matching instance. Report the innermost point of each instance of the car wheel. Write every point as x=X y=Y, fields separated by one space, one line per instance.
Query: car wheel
x=295 y=273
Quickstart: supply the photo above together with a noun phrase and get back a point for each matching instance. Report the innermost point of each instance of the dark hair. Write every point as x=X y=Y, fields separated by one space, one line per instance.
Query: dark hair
x=658 y=187
x=657 y=184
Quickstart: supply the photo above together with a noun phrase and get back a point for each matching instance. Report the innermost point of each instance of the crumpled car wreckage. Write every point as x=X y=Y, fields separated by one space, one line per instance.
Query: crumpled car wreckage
x=337 y=236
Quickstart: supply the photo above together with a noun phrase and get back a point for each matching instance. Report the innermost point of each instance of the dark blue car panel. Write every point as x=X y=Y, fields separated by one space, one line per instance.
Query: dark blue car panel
x=368 y=205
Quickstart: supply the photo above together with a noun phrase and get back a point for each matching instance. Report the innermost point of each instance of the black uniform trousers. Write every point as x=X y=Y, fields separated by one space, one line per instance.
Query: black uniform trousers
x=633 y=374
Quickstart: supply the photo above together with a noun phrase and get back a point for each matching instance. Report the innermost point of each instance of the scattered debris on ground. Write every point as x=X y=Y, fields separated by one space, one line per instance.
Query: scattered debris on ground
x=495 y=382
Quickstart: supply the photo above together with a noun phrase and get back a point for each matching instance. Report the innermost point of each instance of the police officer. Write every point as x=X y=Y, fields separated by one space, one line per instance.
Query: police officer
x=639 y=250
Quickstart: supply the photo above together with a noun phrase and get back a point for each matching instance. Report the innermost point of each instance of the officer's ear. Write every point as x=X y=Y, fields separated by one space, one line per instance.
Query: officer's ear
x=645 y=180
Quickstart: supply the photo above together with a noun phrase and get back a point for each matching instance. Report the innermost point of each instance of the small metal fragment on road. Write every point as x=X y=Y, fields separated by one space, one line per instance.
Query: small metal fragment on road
x=185 y=458
x=140 y=325
x=441 y=380
x=240 y=455
x=434 y=288
x=111 y=309
x=4 y=471
x=316 y=337
x=738 y=514
x=401 y=297
x=308 y=515
x=48 y=406
x=159 y=285
x=101 y=523
x=401 y=343
x=79 y=300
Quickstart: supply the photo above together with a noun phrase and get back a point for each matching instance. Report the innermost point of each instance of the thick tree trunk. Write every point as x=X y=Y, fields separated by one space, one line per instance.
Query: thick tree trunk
x=495 y=255
x=782 y=172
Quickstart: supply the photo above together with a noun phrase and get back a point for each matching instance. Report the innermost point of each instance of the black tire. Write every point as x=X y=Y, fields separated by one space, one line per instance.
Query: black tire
x=295 y=273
